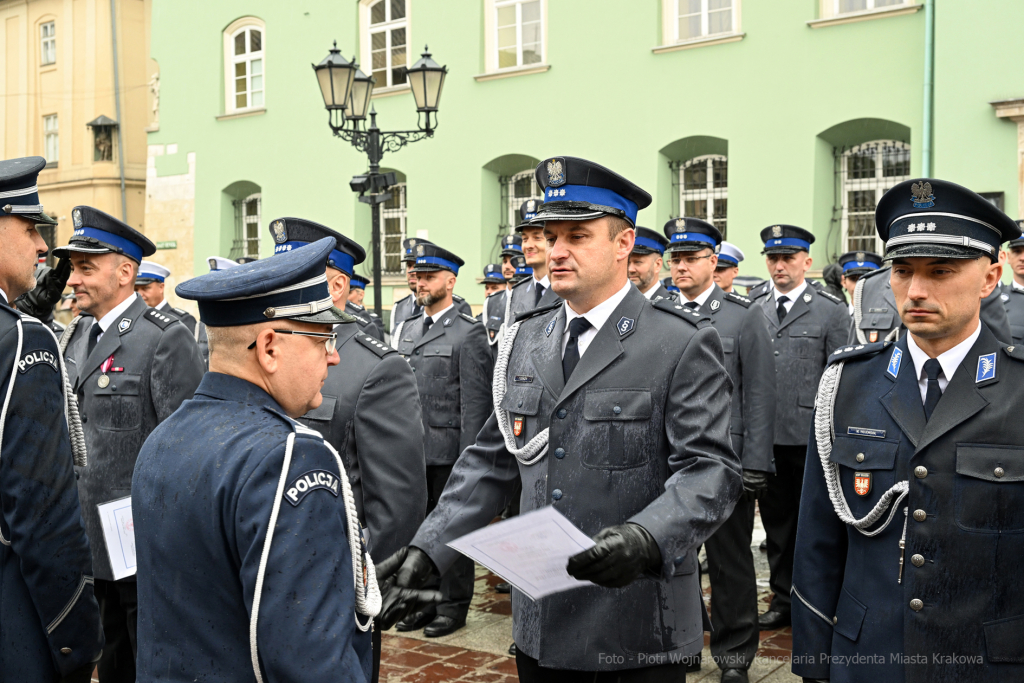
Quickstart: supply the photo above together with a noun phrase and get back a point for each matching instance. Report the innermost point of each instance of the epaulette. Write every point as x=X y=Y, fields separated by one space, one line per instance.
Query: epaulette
x=845 y=353
x=760 y=290
x=179 y=311
x=377 y=346
x=1015 y=351
x=363 y=321
x=741 y=300
x=522 y=282
x=468 y=318
x=159 y=319
x=876 y=272
x=688 y=314
x=525 y=315
x=456 y=297
x=373 y=315
x=831 y=297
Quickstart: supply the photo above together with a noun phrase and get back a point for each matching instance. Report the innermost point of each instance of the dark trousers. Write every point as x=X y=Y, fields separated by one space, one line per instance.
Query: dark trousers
x=119 y=612
x=532 y=672
x=375 y=643
x=733 y=590
x=456 y=584
x=780 y=507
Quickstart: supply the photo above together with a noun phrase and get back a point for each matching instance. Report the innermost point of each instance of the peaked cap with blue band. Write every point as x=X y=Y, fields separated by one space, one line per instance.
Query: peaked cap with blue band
x=522 y=270
x=938 y=219
x=859 y=262
x=19 y=194
x=358 y=282
x=729 y=255
x=649 y=242
x=786 y=239
x=430 y=257
x=1019 y=242
x=290 y=286
x=492 y=274
x=409 y=248
x=669 y=284
x=512 y=245
x=150 y=272
x=96 y=232
x=291 y=233
x=527 y=212
x=220 y=263
x=691 y=234
x=578 y=190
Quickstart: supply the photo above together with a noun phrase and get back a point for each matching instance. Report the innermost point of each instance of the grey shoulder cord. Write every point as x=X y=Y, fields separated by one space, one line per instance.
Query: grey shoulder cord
x=497 y=337
x=537 y=448
x=368 y=600
x=824 y=435
x=858 y=315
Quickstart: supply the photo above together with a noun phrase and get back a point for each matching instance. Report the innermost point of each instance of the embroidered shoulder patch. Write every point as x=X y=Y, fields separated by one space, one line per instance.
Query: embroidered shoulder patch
x=36 y=358
x=306 y=483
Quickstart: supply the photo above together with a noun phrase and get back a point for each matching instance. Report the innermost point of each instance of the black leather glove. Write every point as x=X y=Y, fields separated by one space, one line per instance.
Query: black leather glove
x=754 y=484
x=410 y=566
x=400 y=577
x=50 y=283
x=622 y=553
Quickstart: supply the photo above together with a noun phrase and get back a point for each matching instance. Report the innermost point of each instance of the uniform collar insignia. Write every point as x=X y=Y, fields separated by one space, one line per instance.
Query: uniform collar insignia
x=807 y=298
x=986 y=367
x=123 y=326
x=894 y=362
x=624 y=325
x=447 y=322
x=715 y=304
x=551 y=326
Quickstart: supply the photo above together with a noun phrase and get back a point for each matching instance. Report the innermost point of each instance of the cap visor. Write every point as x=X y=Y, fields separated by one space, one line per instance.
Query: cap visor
x=783 y=250
x=332 y=316
x=571 y=211
x=934 y=251
x=63 y=252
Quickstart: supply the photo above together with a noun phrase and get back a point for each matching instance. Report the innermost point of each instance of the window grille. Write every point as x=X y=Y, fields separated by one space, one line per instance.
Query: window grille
x=393 y=229
x=520 y=33
x=866 y=172
x=388 y=42
x=702 y=189
x=48 y=43
x=247 y=227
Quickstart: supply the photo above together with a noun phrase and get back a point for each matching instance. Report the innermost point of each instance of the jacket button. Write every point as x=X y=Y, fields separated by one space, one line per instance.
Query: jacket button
x=556 y=494
x=920 y=515
x=85 y=418
x=835 y=620
x=520 y=404
x=559 y=453
x=999 y=472
x=860 y=457
x=617 y=410
x=561 y=413
x=917 y=560
x=415 y=353
x=449 y=423
x=916 y=605
x=65 y=650
x=920 y=471
x=776 y=353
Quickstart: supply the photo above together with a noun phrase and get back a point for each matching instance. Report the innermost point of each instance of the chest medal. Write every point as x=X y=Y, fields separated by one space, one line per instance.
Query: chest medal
x=517 y=425
x=862 y=483
x=103 y=381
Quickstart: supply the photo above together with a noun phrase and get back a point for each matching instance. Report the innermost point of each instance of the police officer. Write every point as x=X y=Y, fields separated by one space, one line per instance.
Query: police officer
x=670 y=286
x=493 y=314
x=250 y=559
x=511 y=246
x=39 y=302
x=806 y=325
x=131 y=366
x=49 y=621
x=1013 y=293
x=909 y=540
x=533 y=292
x=854 y=265
x=149 y=284
x=357 y=289
x=354 y=303
x=616 y=411
x=215 y=263
x=729 y=258
x=407 y=307
x=520 y=271
x=646 y=262
x=449 y=353
x=743 y=328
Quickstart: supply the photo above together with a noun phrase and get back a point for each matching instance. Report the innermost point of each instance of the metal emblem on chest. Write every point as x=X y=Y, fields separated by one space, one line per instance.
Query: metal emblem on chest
x=862 y=483
x=807 y=298
x=517 y=425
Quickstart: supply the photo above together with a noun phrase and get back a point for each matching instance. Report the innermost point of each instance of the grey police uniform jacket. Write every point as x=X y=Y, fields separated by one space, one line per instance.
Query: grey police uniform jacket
x=816 y=325
x=453 y=365
x=184 y=316
x=961 y=525
x=365 y=321
x=156 y=366
x=407 y=308
x=522 y=298
x=49 y=619
x=371 y=415
x=662 y=292
x=640 y=433
x=1013 y=301
x=493 y=317
x=877 y=319
x=751 y=365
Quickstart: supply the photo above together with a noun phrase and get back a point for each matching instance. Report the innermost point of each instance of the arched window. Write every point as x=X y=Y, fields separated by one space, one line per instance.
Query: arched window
x=515 y=190
x=393 y=214
x=704 y=189
x=385 y=41
x=244 y=48
x=247 y=227
x=867 y=171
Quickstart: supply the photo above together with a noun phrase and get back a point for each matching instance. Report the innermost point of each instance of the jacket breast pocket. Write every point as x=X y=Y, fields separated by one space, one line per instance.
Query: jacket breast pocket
x=867 y=470
x=325 y=412
x=437 y=361
x=878 y=321
x=728 y=344
x=522 y=403
x=617 y=425
x=117 y=407
x=988 y=495
x=805 y=338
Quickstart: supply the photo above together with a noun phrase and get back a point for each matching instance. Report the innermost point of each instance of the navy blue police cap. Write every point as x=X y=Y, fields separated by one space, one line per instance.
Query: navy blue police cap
x=96 y=232
x=527 y=212
x=492 y=274
x=358 y=282
x=859 y=262
x=691 y=234
x=938 y=219
x=578 y=190
x=409 y=248
x=649 y=242
x=430 y=257
x=669 y=285
x=1019 y=242
x=786 y=239
x=291 y=233
x=19 y=193
x=522 y=270
x=290 y=286
x=512 y=245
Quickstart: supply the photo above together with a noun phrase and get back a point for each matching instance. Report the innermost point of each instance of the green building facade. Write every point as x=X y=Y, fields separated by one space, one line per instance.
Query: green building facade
x=746 y=112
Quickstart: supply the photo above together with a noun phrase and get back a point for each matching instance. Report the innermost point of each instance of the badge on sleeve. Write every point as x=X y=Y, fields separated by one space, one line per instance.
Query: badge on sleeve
x=862 y=483
x=986 y=367
x=309 y=482
x=517 y=425
x=873 y=336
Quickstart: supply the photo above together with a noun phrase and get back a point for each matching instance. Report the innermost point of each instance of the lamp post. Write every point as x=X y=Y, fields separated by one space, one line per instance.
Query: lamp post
x=347 y=91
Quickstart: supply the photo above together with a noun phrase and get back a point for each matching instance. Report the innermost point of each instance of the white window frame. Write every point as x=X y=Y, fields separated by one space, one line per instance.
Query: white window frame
x=709 y=193
x=402 y=214
x=366 y=42
x=514 y=202
x=831 y=8
x=879 y=183
x=230 y=59
x=252 y=244
x=491 y=37
x=48 y=43
x=51 y=139
x=704 y=21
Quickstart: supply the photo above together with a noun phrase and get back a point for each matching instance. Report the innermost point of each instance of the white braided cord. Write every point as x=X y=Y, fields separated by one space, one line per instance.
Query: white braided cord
x=537 y=447
x=7 y=402
x=858 y=312
x=824 y=435
x=71 y=411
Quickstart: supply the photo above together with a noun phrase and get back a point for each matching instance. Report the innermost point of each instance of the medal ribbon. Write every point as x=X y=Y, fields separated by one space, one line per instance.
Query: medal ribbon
x=105 y=365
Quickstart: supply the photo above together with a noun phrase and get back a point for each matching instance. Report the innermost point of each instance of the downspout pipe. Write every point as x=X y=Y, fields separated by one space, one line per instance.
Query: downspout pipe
x=117 y=107
x=929 y=88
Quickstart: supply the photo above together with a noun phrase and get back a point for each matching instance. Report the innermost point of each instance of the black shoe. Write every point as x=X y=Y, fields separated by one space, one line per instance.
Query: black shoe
x=512 y=649
x=735 y=676
x=764 y=546
x=442 y=626
x=692 y=664
x=503 y=587
x=415 y=621
x=772 y=620
x=704 y=566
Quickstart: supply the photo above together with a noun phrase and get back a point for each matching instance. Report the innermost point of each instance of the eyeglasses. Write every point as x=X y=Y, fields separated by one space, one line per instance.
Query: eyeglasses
x=689 y=260
x=330 y=338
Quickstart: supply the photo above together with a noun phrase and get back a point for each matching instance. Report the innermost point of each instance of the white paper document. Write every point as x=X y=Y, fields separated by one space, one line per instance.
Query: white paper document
x=119 y=535
x=529 y=551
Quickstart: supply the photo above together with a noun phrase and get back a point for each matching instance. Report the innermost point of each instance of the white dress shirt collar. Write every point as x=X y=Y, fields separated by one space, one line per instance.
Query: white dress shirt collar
x=108 y=320
x=596 y=316
x=162 y=306
x=793 y=295
x=1013 y=284
x=949 y=360
x=4 y=295
x=702 y=298
x=440 y=314
x=543 y=282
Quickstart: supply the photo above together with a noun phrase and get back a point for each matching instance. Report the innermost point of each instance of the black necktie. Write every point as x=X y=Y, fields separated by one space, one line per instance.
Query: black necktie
x=782 y=307
x=427 y=322
x=538 y=294
x=692 y=304
x=932 y=369
x=94 y=334
x=572 y=350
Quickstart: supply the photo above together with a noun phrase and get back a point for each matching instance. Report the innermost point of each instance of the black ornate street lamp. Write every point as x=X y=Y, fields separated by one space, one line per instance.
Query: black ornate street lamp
x=347 y=91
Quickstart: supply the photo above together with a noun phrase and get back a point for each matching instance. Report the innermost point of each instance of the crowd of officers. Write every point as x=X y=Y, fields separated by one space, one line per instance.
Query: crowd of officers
x=656 y=415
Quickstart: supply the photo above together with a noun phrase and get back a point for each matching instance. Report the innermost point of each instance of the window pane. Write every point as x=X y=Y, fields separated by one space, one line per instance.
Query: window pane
x=257 y=98
x=378 y=41
x=689 y=7
x=397 y=9
x=895 y=162
x=257 y=83
x=398 y=38
x=861 y=166
x=720 y=169
x=721 y=207
x=240 y=98
x=861 y=200
x=719 y=4
x=240 y=43
x=689 y=27
x=240 y=70
x=531 y=11
x=255 y=40
x=377 y=13
x=886 y=3
x=507 y=16
x=531 y=54
x=720 y=22
x=852 y=5
x=696 y=208
x=257 y=67
x=507 y=38
x=695 y=177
